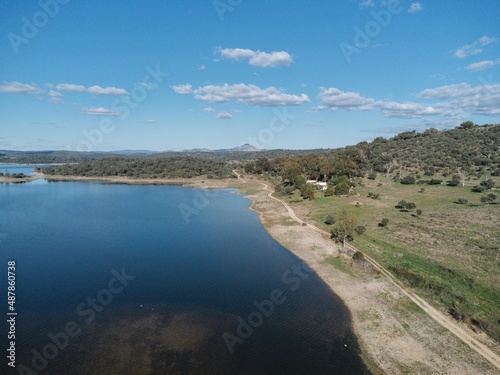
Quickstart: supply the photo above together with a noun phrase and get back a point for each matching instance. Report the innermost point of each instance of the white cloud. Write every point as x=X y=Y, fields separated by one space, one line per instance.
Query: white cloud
x=257 y=58
x=55 y=97
x=224 y=115
x=70 y=87
x=209 y=109
x=248 y=94
x=183 y=89
x=335 y=99
x=99 y=111
x=19 y=88
x=148 y=121
x=452 y=101
x=482 y=65
x=415 y=7
x=474 y=48
x=273 y=59
x=202 y=67
x=98 y=90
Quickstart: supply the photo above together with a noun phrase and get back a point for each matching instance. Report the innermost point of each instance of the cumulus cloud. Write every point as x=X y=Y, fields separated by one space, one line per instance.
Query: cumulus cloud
x=19 y=88
x=96 y=90
x=209 y=109
x=70 y=87
x=415 y=7
x=474 y=48
x=242 y=93
x=55 y=97
x=99 y=111
x=257 y=58
x=335 y=99
x=482 y=65
x=451 y=101
x=224 y=115
x=183 y=89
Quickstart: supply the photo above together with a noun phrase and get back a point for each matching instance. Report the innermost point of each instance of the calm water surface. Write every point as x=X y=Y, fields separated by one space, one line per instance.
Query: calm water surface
x=111 y=279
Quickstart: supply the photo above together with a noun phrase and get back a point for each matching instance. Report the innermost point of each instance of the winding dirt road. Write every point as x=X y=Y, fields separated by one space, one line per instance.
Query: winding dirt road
x=439 y=317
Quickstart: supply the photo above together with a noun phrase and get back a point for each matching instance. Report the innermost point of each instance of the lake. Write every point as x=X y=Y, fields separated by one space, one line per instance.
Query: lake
x=114 y=279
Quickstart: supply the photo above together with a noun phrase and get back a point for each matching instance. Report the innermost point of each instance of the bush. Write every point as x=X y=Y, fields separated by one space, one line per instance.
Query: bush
x=402 y=204
x=373 y=196
x=330 y=220
x=358 y=255
x=455 y=181
x=435 y=182
x=342 y=188
x=372 y=176
x=478 y=189
x=462 y=201
x=408 y=180
x=360 y=229
x=419 y=212
x=328 y=192
x=421 y=190
x=384 y=222
x=487 y=184
x=489 y=199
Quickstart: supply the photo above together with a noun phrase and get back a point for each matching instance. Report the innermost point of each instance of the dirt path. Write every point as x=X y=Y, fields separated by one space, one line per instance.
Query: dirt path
x=440 y=318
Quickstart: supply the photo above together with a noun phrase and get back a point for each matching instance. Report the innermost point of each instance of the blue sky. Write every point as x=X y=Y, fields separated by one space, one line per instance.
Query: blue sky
x=173 y=75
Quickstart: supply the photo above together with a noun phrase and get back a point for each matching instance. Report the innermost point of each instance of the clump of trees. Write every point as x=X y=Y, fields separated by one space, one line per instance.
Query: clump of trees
x=406 y=206
x=175 y=167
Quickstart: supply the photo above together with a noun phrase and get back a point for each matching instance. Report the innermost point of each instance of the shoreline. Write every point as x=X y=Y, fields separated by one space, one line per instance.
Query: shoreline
x=395 y=337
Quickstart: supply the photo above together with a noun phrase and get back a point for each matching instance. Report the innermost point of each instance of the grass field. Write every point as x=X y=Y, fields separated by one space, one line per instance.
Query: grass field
x=449 y=253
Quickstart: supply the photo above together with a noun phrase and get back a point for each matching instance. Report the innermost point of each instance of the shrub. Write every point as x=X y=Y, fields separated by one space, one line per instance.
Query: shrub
x=328 y=192
x=410 y=206
x=462 y=201
x=419 y=212
x=435 y=182
x=455 y=180
x=384 y=222
x=330 y=220
x=402 y=204
x=489 y=199
x=488 y=184
x=358 y=255
x=360 y=229
x=373 y=196
x=408 y=180
x=421 y=190
x=372 y=176
x=342 y=188
x=478 y=189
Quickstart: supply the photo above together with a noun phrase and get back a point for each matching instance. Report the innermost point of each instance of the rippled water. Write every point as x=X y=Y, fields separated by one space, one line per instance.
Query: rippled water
x=115 y=279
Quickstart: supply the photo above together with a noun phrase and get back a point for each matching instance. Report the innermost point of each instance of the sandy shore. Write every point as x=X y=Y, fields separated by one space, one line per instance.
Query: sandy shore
x=395 y=335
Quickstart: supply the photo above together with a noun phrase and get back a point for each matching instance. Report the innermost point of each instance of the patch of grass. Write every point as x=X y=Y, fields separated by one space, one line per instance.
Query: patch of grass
x=340 y=264
x=449 y=255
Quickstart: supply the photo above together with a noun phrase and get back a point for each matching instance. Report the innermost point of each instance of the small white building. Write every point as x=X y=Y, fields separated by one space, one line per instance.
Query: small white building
x=321 y=185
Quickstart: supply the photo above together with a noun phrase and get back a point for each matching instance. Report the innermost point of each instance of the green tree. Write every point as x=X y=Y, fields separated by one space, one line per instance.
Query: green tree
x=342 y=188
x=344 y=227
x=309 y=192
x=328 y=192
